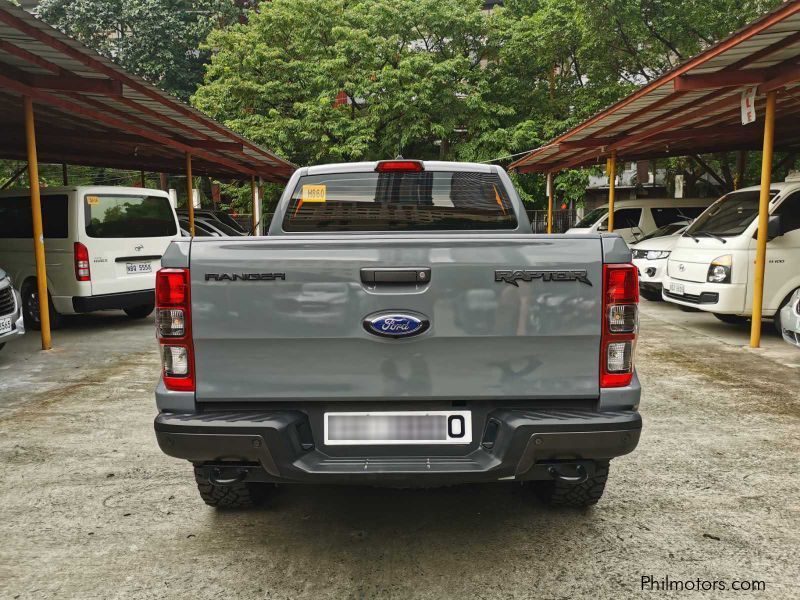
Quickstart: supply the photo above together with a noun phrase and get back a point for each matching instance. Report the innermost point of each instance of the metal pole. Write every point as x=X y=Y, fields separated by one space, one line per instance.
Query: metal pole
x=141 y=177
x=763 y=219
x=255 y=202
x=612 y=184
x=38 y=231
x=190 y=192
x=64 y=174
x=162 y=181
x=549 y=203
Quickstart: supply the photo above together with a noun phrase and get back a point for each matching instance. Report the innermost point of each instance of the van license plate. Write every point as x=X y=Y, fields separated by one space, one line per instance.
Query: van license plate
x=134 y=268
x=396 y=428
x=5 y=325
x=676 y=288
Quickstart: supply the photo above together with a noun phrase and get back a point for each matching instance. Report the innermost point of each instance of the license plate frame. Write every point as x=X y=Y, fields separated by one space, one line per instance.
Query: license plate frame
x=455 y=427
x=677 y=288
x=6 y=325
x=138 y=268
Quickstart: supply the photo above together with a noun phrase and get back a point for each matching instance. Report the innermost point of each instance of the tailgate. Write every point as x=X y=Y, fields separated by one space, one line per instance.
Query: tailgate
x=284 y=318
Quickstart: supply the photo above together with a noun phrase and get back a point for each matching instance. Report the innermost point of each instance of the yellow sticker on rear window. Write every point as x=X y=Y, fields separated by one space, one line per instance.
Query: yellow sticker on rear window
x=92 y=200
x=314 y=193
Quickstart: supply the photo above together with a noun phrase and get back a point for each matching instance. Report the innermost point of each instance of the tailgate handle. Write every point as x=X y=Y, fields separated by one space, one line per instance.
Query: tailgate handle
x=394 y=275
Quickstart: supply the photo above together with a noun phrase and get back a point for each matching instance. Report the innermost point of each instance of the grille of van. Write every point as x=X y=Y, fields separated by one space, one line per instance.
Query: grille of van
x=6 y=301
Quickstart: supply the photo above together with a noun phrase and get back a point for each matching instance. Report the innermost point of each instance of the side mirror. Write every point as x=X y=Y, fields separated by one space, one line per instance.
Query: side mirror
x=602 y=227
x=774 y=227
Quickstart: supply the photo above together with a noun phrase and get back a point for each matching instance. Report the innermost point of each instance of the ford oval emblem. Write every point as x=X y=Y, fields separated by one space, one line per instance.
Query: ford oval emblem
x=396 y=324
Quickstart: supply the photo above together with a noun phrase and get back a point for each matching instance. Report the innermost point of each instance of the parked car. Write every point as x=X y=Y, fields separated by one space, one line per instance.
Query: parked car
x=103 y=246
x=790 y=319
x=216 y=218
x=399 y=326
x=635 y=219
x=200 y=229
x=12 y=324
x=650 y=257
x=712 y=267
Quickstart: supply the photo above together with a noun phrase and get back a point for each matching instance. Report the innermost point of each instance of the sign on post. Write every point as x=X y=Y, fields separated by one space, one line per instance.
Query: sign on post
x=749 y=105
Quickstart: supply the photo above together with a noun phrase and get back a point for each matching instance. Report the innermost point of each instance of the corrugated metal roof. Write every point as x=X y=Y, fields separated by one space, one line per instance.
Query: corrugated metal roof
x=680 y=113
x=90 y=111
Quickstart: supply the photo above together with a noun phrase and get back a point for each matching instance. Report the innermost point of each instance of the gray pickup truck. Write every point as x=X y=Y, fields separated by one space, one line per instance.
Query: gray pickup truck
x=400 y=326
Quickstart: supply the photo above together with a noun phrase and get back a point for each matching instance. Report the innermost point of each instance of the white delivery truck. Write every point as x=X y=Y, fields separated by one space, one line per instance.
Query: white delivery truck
x=713 y=264
x=103 y=246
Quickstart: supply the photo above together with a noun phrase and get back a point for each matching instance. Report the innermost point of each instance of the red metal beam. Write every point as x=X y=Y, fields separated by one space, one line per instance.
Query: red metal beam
x=71 y=83
x=780 y=78
x=723 y=78
x=30 y=57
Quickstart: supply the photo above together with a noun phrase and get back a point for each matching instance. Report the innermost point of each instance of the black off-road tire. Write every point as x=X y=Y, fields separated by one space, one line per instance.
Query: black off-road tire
x=139 y=312
x=234 y=495
x=588 y=493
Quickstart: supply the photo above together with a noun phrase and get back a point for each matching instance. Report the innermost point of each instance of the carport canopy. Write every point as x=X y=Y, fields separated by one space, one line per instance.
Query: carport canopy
x=89 y=111
x=701 y=106
x=61 y=102
x=696 y=107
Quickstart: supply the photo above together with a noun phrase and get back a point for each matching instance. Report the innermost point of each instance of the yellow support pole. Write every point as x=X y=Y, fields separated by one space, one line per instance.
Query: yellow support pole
x=253 y=200
x=190 y=192
x=38 y=231
x=611 y=169
x=763 y=219
x=549 y=203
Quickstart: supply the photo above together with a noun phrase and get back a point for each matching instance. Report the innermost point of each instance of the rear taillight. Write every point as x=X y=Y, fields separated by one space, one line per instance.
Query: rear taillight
x=173 y=328
x=82 y=272
x=399 y=166
x=620 y=324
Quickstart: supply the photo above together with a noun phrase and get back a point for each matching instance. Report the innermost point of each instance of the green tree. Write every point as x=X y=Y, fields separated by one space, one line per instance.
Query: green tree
x=408 y=76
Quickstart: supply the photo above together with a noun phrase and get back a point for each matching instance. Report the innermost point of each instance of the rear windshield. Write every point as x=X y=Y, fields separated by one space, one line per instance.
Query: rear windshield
x=428 y=200
x=113 y=216
x=16 y=220
x=728 y=216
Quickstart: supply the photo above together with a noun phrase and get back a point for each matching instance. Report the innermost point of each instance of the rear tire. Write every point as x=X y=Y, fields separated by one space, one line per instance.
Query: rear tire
x=234 y=495
x=560 y=493
x=139 y=312
x=30 y=308
x=731 y=319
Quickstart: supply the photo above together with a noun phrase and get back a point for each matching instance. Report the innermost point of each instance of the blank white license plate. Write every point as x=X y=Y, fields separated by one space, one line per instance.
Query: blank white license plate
x=142 y=267
x=676 y=288
x=5 y=325
x=397 y=428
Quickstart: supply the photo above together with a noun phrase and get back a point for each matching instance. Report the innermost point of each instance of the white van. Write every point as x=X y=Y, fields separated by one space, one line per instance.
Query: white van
x=103 y=246
x=634 y=219
x=713 y=264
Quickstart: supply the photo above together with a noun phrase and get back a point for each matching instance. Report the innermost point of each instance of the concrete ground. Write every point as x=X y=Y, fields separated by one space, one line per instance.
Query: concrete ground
x=90 y=508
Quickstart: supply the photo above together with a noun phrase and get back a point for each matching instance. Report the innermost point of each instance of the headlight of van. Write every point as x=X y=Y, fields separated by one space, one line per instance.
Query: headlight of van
x=720 y=269
x=656 y=254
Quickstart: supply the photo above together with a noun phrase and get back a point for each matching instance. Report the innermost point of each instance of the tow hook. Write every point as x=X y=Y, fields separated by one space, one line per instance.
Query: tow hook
x=215 y=477
x=582 y=474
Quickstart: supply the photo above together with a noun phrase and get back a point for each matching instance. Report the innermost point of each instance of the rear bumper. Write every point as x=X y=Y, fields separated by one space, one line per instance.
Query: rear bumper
x=84 y=304
x=279 y=446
